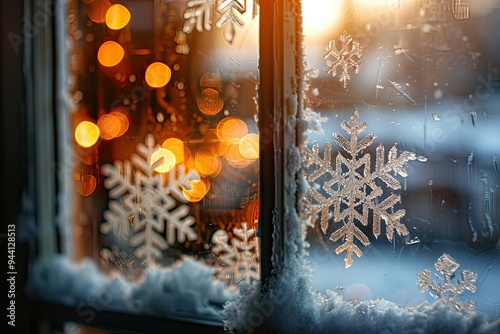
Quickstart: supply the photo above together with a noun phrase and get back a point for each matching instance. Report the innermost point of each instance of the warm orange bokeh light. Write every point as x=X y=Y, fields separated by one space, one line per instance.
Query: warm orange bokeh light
x=86 y=185
x=249 y=146
x=124 y=123
x=97 y=9
x=197 y=190
x=86 y=134
x=234 y=157
x=207 y=163
x=209 y=102
x=158 y=75
x=117 y=17
x=109 y=126
x=162 y=160
x=110 y=54
x=232 y=130
x=176 y=146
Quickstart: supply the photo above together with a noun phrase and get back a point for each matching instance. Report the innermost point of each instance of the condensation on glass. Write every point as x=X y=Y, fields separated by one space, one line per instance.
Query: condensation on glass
x=405 y=177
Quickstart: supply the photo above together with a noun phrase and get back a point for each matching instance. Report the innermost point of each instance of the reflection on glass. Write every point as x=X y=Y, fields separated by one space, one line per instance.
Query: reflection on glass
x=405 y=175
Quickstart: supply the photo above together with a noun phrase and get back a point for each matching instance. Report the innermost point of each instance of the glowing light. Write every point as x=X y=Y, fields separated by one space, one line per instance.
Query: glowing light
x=110 y=54
x=124 y=123
x=249 y=146
x=86 y=185
x=158 y=75
x=96 y=10
x=207 y=164
x=175 y=146
x=234 y=157
x=209 y=102
x=197 y=190
x=162 y=160
x=117 y=17
x=321 y=15
x=109 y=126
x=86 y=134
x=231 y=130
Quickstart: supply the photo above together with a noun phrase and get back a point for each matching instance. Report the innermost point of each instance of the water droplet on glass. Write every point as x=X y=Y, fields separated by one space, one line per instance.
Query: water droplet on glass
x=430 y=182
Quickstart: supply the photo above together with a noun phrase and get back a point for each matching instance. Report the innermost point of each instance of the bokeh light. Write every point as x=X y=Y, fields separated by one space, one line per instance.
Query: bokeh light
x=176 y=146
x=86 y=185
x=117 y=17
x=86 y=134
x=209 y=102
x=234 y=157
x=110 y=54
x=195 y=191
x=109 y=126
x=162 y=160
x=158 y=75
x=207 y=163
x=232 y=130
x=249 y=146
x=124 y=123
x=97 y=9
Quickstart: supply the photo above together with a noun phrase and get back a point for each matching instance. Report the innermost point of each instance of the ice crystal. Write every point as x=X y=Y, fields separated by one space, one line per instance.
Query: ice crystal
x=446 y=291
x=352 y=190
x=144 y=202
x=239 y=260
x=199 y=15
x=344 y=57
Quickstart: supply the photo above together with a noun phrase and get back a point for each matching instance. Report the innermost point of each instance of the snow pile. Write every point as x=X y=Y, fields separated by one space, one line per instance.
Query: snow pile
x=186 y=288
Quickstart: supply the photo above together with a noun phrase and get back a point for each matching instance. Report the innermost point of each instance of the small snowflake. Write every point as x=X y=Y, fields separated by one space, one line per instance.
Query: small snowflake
x=352 y=190
x=343 y=57
x=238 y=261
x=145 y=203
x=446 y=291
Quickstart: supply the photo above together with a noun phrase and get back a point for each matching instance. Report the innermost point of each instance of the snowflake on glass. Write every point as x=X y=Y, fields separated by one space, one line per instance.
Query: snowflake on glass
x=199 y=15
x=145 y=202
x=446 y=291
x=352 y=189
x=238 y=261
x=343 y=57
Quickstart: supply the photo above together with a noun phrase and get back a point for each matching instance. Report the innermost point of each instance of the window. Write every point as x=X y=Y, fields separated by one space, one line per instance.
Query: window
x=272 y=165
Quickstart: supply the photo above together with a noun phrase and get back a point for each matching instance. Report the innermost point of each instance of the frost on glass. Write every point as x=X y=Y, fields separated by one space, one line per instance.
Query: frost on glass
x=444 y=289
x=145 y=209
x=352 y=191
x=426 y=81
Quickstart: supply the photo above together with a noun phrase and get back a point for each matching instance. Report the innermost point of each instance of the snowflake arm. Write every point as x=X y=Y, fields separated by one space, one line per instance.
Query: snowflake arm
x=199 y=15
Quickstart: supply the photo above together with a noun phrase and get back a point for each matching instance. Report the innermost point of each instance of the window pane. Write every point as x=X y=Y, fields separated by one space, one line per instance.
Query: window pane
x=164 y=150
x=404 y=179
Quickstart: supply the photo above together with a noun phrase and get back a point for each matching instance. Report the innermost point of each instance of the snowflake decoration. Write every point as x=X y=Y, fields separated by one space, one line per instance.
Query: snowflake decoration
x=352 y=189
x=199 y=15
x=446 y=291
x=119 y=261
x=344 y=57
x=144 y=203
x=238 y=261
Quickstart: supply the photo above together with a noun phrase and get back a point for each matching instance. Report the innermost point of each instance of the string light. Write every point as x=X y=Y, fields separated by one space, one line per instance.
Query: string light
x=86 y=134
x=158 y=75
x=117 y=17
x=110 y=54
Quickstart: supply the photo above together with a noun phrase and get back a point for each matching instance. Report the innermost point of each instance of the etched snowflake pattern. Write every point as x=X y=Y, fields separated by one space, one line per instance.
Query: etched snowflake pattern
x=239 y=260
x=344 y=57
x=145 y=204
x=199 y=15
x=352 y=189
x=445 y=290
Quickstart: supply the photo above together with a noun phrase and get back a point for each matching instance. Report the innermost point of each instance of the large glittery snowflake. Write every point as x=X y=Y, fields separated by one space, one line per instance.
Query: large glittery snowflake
x=352 y=189
x=346 y=56
x=446 y=291
x=199 y=15
x=146 y=204
x=239 y=260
